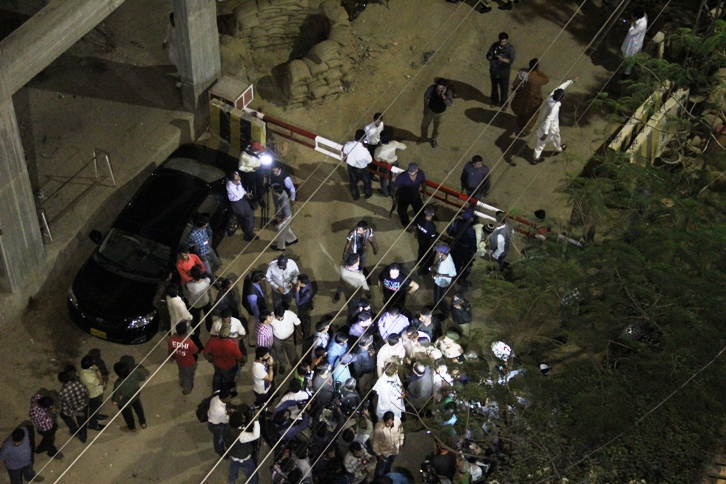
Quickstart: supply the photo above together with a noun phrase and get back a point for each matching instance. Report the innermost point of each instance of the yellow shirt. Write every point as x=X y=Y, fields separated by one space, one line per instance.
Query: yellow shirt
x=91 y=381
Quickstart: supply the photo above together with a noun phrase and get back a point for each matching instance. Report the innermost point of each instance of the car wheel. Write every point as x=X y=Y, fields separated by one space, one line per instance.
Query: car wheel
x=232 y=226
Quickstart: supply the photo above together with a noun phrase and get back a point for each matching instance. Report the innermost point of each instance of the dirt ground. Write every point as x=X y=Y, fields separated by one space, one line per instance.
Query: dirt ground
x=114 y=92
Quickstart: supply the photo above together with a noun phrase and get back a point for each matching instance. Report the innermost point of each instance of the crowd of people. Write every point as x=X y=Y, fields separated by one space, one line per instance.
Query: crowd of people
x=353 y=379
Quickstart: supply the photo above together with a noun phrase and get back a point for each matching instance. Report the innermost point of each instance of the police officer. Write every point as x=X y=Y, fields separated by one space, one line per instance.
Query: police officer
x=426 y=235
x=463 y=247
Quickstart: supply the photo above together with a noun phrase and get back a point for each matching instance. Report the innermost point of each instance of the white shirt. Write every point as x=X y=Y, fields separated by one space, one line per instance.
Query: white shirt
x=217 y=413
x=633 y=42
x=373 y=133
x=236 y=330
x=390 y=395
x=198 y=293
x=283 y=329
x=387 y=152
x=447 y=267
x=550 y=118
x=248 y=437
x=259 y=373
x=178 y=311
x=282 y=278
x=300 y=396
x=389 y=353
x=356 y=154
x=235 y=192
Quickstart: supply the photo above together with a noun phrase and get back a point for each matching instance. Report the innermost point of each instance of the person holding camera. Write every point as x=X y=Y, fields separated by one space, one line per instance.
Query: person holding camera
x=500 y=56
x=437 y=98
x=241 y=447
x=263 y=375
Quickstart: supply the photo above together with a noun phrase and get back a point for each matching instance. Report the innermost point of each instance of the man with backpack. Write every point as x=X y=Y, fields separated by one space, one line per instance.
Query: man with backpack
x=218 y=417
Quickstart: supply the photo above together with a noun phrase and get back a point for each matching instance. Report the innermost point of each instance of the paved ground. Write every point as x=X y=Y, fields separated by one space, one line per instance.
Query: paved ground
x=122 y=100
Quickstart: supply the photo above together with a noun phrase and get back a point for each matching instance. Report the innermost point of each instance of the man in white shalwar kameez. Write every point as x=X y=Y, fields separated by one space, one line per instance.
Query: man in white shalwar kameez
x=390 y=392
x=633 y=42
x=548 y=129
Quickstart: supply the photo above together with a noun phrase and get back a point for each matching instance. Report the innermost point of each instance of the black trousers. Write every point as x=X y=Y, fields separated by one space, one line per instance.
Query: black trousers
x=359 y=174
x=404 y=203
x=47 y=443
x=425 y=257
x=128 y=414
x=77 y=423
x=500 y=88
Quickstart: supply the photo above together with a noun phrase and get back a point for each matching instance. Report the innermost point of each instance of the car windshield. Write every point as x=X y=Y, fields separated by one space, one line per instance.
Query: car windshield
x=133 y=253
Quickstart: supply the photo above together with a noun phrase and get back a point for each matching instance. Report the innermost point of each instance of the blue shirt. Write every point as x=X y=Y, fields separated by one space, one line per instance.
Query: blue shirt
x=202 y=238
x=304 y=296
x=16 y=457
x=335 y=351
x=398 y=478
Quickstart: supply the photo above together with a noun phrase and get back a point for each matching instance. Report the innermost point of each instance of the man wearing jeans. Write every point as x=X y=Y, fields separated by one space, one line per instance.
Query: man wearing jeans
x=201 y=238
x=44 y=419
x=386 y=441
x=185 y=357
x=241 y=447
x=500 y=56
x=437 y=98
x=74 y=405
x=224 y=354
x=217 y=418
x=18 y=457
x=357 y=157
x=444 y=274
x=93 y=380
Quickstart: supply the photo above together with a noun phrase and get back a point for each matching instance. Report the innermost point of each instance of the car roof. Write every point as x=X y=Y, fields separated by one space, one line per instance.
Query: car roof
x=162 y=207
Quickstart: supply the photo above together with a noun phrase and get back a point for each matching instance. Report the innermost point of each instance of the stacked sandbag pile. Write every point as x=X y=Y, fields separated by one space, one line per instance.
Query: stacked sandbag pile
x=276 y=23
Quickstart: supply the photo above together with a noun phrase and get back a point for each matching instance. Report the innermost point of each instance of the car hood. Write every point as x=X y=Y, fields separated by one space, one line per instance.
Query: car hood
x=110 y=294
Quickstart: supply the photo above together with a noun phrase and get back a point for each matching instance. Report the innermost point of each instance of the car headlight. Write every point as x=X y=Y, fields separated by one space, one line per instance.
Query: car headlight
x=72 y=297
x=142 y=321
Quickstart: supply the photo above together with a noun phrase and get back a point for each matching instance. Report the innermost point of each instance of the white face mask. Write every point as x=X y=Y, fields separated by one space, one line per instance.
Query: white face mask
x=394 y=274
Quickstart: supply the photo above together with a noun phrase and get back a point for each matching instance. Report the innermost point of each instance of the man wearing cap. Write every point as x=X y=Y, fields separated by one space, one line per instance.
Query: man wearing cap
x=282 y=275
x=499 y=240
x=280 y=176
x=394 y=285
x=357 y=157
x=461 y=314
x=351 y=278
x=239 y=201
x=421 y=385
x=224 y=354
x=304 y=301
x=407 y=192
x=358 y=240
x=444 y=273
x=463 y=247
x=475 y=178
x=373 y=133
x=283 y=218
x=437 y=98
x=285 y=327
x=426 y=236
x=549 y=122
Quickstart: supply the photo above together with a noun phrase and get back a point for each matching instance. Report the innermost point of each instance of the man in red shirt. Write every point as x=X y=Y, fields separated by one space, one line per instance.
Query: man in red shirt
x=224 y=354
x=185 y=356
x=185 y=262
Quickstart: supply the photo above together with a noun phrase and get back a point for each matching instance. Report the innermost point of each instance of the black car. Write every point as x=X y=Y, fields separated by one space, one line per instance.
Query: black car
x=111 y=296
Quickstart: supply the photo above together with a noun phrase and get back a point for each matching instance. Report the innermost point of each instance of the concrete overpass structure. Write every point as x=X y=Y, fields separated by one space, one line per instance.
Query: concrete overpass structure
x=24 y=54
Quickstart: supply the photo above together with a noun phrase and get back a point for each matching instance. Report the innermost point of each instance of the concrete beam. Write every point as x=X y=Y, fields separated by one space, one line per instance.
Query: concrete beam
x=45 y=36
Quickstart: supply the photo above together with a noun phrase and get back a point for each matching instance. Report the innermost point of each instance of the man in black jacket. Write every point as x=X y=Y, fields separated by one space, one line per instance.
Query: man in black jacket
x=426 y=236
x=463 y=247
x=363 y=367
x=500 y=56
x=461 y=314
x=241 y=447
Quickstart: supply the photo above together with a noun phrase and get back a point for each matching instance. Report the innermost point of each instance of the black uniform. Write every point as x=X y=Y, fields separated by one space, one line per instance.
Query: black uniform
x=463 y=249
x=426 y=235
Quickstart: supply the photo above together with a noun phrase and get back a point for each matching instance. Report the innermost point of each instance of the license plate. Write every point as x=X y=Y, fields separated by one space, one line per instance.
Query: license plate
x=98 y=333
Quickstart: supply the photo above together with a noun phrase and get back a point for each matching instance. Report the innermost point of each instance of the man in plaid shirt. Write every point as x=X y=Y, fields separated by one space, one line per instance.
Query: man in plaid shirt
x=263 y=328
x=74 y=405
x=201 y=237
x=43 y=417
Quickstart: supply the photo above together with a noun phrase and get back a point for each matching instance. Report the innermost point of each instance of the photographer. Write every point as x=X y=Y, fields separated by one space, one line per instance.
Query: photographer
x=500 y=56
x=241 y=447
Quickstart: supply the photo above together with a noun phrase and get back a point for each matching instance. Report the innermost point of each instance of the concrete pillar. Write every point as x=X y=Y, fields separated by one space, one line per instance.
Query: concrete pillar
x=198 y=47
x=22 y=250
